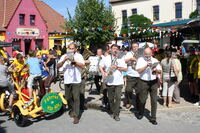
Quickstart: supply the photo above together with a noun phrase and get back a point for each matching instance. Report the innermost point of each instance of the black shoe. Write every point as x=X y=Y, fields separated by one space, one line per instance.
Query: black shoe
x=154 y=122
x=116 y=118
x=83 y=108
x=139 y=116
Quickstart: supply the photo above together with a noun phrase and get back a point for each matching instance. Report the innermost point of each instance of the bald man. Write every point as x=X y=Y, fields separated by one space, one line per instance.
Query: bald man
x=148 y=69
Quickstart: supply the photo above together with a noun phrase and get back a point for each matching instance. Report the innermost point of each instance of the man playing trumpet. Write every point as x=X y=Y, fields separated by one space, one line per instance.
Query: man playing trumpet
x=112 y=69
x=72 y=67
x=148 y=68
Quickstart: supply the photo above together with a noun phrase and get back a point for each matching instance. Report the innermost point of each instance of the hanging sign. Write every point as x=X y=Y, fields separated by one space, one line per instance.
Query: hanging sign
x=27 y=32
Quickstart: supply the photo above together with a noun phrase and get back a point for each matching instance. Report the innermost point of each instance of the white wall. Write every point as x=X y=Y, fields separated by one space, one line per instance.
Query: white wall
x=145 y=7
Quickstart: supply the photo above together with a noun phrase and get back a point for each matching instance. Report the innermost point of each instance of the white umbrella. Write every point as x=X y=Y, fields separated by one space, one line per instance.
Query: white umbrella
x=143 y=44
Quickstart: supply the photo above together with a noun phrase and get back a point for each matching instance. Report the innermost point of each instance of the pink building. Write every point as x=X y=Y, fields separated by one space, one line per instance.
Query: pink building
x=27 y=23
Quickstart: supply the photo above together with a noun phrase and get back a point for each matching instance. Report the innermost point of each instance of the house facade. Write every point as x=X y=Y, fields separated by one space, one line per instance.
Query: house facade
x=159 y=11
x=28 y=24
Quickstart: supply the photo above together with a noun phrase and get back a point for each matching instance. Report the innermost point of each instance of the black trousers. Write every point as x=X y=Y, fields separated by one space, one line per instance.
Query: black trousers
x=145 y=87
x=104 y=91
x=97 y=80
x=72 y=95
x=131 y=83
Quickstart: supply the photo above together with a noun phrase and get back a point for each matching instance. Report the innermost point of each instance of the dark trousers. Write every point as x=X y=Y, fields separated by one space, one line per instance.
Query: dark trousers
x=82 y=94
x=97 y=80
x=114 y=97
x=72 y=95
x=145 y=87
x=104 y=91
x=131 y=83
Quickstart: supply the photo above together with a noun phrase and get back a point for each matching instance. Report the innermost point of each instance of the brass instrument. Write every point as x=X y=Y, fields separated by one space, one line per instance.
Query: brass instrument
x=110 y=71
x=135 y=55
x=70 y=57
x=154 y=65
x=86 y=54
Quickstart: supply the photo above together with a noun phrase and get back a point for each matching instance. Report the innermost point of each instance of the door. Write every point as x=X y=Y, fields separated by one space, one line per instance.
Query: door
x=27 y=46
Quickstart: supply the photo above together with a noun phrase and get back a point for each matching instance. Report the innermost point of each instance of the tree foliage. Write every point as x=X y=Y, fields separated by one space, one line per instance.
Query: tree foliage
x=93 y=23
x=194 y=14
x=136 y=27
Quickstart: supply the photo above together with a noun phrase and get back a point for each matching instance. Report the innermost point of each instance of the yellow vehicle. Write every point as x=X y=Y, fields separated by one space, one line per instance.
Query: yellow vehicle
x=50 y=103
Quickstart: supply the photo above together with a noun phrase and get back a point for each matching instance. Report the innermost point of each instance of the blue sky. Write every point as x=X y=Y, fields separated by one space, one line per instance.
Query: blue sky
x=62 y=5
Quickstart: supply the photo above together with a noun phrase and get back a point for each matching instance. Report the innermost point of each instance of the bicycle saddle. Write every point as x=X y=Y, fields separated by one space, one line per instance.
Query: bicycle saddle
x=38 y=78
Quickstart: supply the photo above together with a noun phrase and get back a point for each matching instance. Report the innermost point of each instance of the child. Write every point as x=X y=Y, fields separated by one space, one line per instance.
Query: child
x=34 y=71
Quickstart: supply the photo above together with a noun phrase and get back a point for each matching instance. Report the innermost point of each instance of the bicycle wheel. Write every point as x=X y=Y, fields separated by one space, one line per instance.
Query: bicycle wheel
x=61 y=85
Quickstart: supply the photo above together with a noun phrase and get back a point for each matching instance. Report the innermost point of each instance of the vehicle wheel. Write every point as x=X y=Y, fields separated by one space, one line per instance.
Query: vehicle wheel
x=61 y=85
x=19 y=119
x=62 y=109
x=4 y=102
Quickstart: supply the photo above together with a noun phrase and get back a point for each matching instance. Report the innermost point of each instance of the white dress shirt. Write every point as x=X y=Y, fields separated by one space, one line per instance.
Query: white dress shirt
x=117 y=77
x=72 y=74
x=147 y=74
x=131 y=72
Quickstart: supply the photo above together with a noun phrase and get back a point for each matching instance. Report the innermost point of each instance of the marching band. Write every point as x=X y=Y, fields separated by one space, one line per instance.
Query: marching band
x=113 y=69
x=141 y=71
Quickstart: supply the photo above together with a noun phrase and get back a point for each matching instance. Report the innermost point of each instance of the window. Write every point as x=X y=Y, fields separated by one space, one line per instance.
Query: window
x=21 y=19
x=32 y=19
x=178 y=10
x=198 y=6
x=134 y=11
x=156 y=13
x=124 y=17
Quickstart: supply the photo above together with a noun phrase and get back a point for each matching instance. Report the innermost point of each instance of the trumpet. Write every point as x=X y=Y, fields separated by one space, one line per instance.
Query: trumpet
x=86 y=54
x=154 y=65
x=70 y=57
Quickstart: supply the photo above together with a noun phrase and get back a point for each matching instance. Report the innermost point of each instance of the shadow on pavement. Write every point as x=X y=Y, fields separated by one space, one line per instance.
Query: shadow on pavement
x=2 y=129
x=46 y=117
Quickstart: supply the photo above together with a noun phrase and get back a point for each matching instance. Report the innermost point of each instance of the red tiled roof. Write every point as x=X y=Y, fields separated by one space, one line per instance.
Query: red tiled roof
x=53 y=20
x=7 y=8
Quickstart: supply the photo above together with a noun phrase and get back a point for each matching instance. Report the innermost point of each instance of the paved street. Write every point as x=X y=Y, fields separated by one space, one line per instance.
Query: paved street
x=181 y=119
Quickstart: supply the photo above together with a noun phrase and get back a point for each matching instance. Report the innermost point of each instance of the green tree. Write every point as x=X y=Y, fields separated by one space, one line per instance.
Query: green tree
x=194 y=14
x=136 y=27
x=93 y=23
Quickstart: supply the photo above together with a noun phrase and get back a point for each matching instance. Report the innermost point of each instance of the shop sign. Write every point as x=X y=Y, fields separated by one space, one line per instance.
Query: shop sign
x=27 y=32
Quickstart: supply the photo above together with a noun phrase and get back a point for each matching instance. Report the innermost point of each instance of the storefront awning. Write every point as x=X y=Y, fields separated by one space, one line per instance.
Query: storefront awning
x=176 y=23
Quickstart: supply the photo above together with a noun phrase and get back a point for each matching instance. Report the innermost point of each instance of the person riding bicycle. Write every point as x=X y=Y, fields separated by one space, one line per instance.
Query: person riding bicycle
x=34 y=71
x=4 y=83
